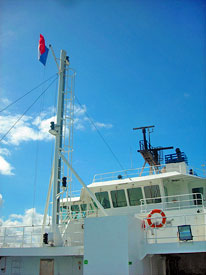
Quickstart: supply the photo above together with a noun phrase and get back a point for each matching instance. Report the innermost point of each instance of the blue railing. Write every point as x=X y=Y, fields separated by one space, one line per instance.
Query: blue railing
x=177 y=157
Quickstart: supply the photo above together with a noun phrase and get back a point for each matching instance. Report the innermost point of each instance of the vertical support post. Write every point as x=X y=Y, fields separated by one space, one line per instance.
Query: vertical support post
x=155 y=228
x=22 y=245
x=47 y=202
x=4 y=242
x=58 y=141
x=142 y=168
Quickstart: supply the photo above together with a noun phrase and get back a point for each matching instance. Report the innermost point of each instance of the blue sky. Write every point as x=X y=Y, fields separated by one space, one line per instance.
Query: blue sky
x=138 y=63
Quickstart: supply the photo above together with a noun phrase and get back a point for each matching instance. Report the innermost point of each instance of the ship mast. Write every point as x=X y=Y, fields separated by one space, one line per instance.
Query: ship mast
x=58 y=141
x=62 y=129
x=62 y=169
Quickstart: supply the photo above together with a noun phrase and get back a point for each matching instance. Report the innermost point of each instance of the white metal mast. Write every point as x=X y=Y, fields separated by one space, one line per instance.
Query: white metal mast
x=62 y=169
x=63 y=131
x=58 y=141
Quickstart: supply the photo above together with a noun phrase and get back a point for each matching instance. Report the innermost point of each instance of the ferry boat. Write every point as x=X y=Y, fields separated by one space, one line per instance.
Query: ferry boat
x=145 y=221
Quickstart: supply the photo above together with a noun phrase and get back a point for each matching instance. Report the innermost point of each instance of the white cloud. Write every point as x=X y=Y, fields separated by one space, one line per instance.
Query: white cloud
x=30 y=217
x=31 y=128
x=80 y=111
x=1 y=200
x=103 y=125
x=5 y=167
x=4 y=152
x=82 y=122
x=28 y=128
x=4 y=102
x=36 y=128
x=79 y=124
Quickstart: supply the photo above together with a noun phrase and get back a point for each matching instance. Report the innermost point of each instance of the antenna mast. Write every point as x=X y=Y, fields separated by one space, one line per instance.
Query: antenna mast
x=151 y=155
x=63 y=132
x=62 y=169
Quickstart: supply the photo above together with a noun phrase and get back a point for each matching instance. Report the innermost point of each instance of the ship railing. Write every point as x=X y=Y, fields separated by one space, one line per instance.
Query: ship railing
x=169 y=232
x=31 y=236
x=72 y=233
x=146 y=171
x=129 y=173
x=21 y=236
x=77 y=215
x=200 y=172
x=174 y=202
x=177 y=157
x=73 y=194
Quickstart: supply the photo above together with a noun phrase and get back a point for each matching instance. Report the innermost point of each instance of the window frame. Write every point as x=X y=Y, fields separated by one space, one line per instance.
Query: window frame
x=103 y=198
x=153 y=200
x=138 y=187
x=118 y=190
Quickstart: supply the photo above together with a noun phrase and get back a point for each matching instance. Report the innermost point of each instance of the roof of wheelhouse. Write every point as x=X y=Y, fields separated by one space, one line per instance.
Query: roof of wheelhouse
x=177 y=175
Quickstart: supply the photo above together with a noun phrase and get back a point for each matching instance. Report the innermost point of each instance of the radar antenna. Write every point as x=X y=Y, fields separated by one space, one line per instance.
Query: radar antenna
x=152 y=155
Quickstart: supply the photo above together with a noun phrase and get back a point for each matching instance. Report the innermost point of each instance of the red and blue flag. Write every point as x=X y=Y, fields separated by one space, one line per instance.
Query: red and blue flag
x=43 y=50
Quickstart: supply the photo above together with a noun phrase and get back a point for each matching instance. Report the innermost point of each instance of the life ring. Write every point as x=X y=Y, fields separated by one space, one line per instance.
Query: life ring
x=158 y=211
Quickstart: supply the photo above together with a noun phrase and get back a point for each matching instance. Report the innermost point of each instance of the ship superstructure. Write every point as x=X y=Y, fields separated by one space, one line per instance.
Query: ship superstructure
x=149 y=220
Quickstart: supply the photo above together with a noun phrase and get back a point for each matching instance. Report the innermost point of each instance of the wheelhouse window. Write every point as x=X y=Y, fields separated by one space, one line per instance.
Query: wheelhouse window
x=197 y=195
x=75 y=211
x=152 y=192
x=118 y=198
x=64 y=208
x=75 y=208
x=83 y=207
x=166 y=193
x=103 y=198
x=134 y=196
x=93 y=205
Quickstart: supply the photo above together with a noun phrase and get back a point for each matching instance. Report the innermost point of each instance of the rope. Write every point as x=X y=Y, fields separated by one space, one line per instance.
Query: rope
x=101 y=136
x=35 y=180
x=41 y=107
x=27 y=93
x=26 y=111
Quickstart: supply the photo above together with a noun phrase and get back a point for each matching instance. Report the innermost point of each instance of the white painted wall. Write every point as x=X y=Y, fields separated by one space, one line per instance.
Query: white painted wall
x=31 y=265
x=110 y=243
x=178 y=167
x=106 y=246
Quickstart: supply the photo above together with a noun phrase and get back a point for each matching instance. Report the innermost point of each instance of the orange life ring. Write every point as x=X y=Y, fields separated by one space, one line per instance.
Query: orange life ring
x=149 y=216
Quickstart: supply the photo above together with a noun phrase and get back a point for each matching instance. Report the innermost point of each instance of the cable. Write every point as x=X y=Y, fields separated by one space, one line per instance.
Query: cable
x=27 y=110
x=41 y=107
x=27 y=93
x=108 y=146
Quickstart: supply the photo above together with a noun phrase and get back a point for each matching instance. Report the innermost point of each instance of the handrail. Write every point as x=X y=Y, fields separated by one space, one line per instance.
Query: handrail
x=136 y=172
x=31 y=236
x=128 y=173
x=176 y=157
x=177 y=202
x=169 y=232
